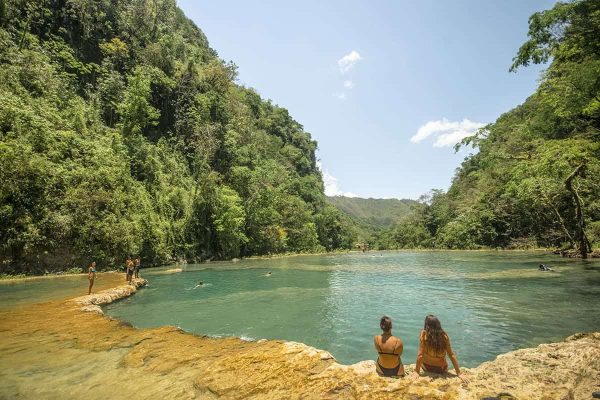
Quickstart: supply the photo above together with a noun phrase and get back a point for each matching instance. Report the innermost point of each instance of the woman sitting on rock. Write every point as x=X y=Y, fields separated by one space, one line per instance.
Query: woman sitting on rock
x=434 y=345
x=390 y=349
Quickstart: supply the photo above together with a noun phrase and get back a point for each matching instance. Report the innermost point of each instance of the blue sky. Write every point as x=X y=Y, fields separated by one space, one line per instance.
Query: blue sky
x=366 y=77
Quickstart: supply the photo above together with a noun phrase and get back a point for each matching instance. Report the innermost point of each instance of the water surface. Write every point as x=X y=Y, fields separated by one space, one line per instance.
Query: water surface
x=21 y=292
x=488 y=302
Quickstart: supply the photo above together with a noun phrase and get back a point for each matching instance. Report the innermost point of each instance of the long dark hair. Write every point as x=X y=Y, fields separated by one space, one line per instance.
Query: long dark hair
x=436 y=339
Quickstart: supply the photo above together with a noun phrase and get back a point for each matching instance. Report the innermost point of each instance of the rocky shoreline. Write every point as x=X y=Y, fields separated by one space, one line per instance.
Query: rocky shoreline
x=168 y=363
x=93 y=302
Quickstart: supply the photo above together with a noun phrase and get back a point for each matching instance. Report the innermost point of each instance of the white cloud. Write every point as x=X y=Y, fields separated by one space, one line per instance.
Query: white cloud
x=331 y=184
x=447 y=133
x=347 y=62
x=348 y=84
x=341 y=96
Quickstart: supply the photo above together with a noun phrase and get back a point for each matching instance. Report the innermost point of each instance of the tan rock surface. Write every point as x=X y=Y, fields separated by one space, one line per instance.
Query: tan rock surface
x=54 y=350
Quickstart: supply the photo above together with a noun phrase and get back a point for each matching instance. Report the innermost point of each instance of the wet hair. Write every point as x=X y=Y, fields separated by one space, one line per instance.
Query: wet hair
x=436 y=339
x=385 y=323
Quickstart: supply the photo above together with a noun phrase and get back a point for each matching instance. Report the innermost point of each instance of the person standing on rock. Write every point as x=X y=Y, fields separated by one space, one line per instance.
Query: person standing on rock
x=389 y=348
x=138 y=264
x=434 y=345
x=129 y=266
x=91 y=275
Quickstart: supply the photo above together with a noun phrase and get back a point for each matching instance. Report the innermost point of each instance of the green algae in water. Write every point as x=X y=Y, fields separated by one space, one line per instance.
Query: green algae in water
x=489 y=302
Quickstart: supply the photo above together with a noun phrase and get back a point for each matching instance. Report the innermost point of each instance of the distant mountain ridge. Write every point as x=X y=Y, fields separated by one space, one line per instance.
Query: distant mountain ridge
x=381 y=213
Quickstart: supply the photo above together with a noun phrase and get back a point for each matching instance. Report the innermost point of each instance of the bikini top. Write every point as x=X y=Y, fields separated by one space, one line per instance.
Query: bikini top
x=382 y=352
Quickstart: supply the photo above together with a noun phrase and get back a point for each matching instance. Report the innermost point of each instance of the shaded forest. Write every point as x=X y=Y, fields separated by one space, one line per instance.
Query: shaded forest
x=122 y=132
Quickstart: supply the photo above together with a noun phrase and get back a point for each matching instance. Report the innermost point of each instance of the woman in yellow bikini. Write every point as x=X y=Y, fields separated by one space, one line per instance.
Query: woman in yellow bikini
x=390 y=349
x=434 y=345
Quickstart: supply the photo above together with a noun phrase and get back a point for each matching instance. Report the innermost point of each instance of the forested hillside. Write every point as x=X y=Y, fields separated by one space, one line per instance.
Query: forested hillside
x=373 y=212
x=122 y=132
x=535 y=179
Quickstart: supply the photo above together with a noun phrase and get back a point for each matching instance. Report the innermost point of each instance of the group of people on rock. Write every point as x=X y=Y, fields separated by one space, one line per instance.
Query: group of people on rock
x=434 y=346
x=132 y=268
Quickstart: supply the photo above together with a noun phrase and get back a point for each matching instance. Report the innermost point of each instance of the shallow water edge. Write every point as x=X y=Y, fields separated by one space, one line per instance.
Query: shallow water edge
x=7 y=279
x=60 y=349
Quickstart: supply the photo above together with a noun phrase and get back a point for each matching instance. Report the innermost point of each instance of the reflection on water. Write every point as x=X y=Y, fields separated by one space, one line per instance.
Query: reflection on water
x=489 y=302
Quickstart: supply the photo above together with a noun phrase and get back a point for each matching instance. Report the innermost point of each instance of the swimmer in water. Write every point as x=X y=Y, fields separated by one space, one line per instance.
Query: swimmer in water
x=268 y=273
x=544 y=267
x=200 y=284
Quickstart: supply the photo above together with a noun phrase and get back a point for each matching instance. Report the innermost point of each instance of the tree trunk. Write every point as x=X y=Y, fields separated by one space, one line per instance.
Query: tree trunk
x=561 y=222
x=581 y=236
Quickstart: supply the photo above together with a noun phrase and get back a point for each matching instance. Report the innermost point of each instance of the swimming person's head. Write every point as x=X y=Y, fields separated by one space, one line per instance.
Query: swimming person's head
x=385 y=324
x=200 y=283
x=435 y=338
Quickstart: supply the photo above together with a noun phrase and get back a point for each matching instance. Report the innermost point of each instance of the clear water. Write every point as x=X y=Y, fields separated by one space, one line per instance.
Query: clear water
x=18 y=292
x=488 y=302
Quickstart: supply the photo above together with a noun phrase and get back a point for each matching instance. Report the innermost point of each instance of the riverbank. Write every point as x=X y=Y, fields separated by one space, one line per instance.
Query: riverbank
x=60 y=349
x=374 y=251
x=7 y=278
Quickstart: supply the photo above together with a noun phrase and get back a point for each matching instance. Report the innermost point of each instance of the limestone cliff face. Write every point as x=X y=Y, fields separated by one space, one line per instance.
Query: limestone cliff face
x=111 y=359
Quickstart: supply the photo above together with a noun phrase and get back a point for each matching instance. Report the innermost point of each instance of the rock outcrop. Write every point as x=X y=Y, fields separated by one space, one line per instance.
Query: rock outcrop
x=93 y=302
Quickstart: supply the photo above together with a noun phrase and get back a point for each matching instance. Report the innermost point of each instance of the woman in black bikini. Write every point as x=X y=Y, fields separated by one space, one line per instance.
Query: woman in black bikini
x=389 y=347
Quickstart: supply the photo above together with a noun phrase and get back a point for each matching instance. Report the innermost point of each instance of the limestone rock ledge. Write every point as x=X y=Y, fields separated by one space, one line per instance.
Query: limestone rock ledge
x=92 y=302
x=280 y=369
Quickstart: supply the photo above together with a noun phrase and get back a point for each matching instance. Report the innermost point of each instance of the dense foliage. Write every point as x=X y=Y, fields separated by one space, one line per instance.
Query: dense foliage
x=122 y=132
x=370 y=220
x=373 y=212
x=535 y=180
